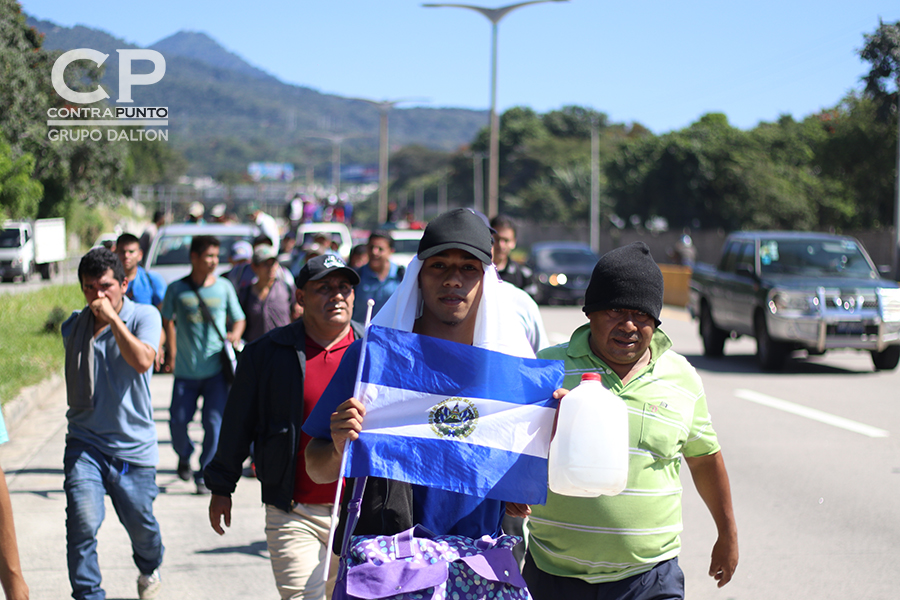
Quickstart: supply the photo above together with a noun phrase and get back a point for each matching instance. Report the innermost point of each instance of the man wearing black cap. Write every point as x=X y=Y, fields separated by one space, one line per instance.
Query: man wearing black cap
x=450 y=291
x=278 y=382
x=626 y=546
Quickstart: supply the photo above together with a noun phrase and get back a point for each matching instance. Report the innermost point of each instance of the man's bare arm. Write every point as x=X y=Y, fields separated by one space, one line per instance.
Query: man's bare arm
x=237 y=331
x=219 y=510
x=323 y=462
x=323 y=457
x=11 y=577
x=171 y=347
x=711 y=480
x=138 y=354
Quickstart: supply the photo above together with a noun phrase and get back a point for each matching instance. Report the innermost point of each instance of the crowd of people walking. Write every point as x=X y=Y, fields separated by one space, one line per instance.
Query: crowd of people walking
x=287 y=404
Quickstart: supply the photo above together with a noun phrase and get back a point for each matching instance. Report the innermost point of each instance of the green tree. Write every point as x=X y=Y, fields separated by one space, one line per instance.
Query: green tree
x=857 y=154
x=882 y=51
x=153 y=163
x=409 y=164
x=719 y=176
x=19 y=193
x=23 y=97
x=545 y=171
x=574 y=121
x=83 y=172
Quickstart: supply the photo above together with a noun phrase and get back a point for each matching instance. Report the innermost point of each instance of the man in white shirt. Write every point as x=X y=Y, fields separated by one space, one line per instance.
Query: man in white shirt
x=266 y=223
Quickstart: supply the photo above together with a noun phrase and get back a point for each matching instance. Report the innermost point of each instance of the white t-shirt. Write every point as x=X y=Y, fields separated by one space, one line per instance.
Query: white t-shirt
x=269 y=228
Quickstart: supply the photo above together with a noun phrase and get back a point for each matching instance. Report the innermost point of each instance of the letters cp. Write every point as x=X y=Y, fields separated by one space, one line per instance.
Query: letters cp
x=126 y=77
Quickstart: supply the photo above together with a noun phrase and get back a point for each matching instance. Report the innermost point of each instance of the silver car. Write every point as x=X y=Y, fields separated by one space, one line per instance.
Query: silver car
x=170 y=253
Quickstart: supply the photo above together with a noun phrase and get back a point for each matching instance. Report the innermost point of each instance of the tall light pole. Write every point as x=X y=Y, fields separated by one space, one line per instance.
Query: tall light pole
x=595 y=187
x=896 y=264
x=336 y=140
x=493 y=15
x=384 y=107
x=478 y=180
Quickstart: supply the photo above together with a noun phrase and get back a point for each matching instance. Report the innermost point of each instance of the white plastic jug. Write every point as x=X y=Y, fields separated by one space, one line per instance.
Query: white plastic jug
x=589 y=453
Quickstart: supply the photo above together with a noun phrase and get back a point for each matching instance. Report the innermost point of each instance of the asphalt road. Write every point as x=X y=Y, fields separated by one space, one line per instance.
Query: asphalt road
x=198 y=564
x=816 y=497
x=816 y=494
x=67 y=274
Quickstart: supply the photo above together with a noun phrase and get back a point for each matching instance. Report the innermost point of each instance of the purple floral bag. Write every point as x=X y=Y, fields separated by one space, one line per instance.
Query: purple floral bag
x=417 y=565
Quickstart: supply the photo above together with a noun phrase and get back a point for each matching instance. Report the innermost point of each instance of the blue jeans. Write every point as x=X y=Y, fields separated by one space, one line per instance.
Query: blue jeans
x=184 y=404
x=90 y=475
x=665 y=581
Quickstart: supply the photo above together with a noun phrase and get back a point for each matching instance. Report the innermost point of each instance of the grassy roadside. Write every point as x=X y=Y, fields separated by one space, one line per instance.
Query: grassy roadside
x=29 y=352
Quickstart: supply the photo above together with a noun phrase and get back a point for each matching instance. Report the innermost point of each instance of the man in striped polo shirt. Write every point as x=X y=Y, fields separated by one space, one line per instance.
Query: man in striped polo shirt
x=626 y=546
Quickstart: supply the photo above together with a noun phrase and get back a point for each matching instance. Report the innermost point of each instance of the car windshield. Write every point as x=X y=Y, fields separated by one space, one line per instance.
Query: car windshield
x=406 y=246
x=816 y=258
x=310 y=237
x=9 y=238
x=561 y=258
x=176 y=249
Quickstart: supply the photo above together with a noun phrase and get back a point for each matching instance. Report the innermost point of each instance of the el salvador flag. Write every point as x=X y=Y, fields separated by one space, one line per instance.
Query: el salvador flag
x=455 y=417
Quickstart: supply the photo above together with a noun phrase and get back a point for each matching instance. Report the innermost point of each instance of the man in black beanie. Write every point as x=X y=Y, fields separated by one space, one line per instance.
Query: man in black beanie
x=627 y=546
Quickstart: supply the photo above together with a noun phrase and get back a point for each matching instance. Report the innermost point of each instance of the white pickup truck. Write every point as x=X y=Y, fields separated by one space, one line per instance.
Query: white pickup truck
x=27 y=248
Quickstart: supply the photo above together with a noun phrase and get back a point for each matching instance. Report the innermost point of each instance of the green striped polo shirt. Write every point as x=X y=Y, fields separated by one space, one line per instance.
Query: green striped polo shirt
x=613 y=537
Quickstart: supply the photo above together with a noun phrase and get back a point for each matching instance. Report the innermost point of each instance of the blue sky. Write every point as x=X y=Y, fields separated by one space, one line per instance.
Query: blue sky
x=657 y=62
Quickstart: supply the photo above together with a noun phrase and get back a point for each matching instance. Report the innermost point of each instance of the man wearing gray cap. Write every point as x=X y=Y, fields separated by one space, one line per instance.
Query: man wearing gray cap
x=268 y=301
x=627 y=546
x=278 y=382
x=239 y=258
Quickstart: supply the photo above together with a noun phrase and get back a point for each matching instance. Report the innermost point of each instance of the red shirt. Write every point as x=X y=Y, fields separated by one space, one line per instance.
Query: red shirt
x=320 y=367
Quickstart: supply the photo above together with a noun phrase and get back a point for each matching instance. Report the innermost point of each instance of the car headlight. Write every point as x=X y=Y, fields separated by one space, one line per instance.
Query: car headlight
x=782 y=301
x=558 y=279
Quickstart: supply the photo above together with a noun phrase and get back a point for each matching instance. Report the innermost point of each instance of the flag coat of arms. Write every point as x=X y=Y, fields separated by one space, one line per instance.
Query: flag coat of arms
x=455 y=417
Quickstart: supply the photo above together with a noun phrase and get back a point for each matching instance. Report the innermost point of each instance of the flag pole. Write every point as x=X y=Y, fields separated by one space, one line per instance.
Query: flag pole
x=335 y=511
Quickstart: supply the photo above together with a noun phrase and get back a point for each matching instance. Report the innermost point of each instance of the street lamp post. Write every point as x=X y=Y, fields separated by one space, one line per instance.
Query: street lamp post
x=478 y=180
x=336 y=140
x=384 y=107
x=595 y=187
x=493 y=15
x=896 y=264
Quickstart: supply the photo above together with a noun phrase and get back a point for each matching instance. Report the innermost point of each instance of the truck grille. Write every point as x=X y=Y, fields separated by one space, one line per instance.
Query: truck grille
x=890 y=301
x=883 y=303
x=848 y=299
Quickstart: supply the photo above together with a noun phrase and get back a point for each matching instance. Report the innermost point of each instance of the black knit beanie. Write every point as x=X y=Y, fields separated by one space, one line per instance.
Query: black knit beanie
x=626 y=277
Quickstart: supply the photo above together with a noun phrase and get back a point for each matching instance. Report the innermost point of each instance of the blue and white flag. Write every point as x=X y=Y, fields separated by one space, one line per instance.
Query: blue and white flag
x=455 y=417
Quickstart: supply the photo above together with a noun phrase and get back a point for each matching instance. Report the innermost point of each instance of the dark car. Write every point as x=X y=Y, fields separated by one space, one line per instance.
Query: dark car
x=562 y=271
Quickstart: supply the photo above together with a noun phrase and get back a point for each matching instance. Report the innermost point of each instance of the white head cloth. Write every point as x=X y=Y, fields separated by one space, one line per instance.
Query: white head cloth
x=496 y=325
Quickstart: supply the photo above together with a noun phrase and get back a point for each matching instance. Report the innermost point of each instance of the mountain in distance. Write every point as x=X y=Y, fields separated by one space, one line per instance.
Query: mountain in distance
x=225 y=113
x=201 y=47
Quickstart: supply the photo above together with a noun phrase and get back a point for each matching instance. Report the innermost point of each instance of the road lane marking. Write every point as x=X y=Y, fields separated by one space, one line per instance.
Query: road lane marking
x=811 y=413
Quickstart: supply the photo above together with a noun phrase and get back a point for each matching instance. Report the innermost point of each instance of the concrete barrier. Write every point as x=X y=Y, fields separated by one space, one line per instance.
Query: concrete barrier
x=677 y=281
